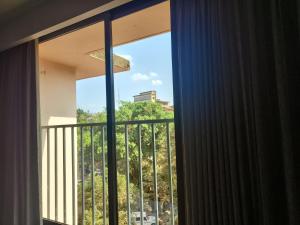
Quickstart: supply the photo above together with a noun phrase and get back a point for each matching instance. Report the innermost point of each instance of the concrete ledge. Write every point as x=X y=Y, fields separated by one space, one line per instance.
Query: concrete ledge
x=52 y=222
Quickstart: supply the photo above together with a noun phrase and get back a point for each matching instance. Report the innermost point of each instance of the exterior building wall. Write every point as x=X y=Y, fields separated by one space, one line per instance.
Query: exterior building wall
x=145 y=96
x=150 y=96
x=57 y=93
x=57 y=107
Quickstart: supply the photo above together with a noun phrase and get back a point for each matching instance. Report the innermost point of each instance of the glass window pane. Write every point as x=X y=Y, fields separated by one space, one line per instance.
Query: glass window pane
x=146 y=166
x=73 y=116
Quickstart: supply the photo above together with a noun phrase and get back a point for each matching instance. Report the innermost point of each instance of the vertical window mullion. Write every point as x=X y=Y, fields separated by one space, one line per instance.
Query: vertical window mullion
x=111 y=126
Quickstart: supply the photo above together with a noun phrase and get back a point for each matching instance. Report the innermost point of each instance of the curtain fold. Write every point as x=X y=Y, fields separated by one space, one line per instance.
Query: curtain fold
x=19 y=186
x=236 y=82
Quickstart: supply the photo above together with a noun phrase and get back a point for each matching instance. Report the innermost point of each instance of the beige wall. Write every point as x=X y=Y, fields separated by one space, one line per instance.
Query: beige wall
x=57 y=93
x=58 y=106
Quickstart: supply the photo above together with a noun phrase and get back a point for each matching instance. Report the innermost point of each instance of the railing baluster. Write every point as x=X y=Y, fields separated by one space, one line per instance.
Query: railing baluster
x=103 y=176
x=154 y=172
x=141 y=174
x=56 y=178
x=73 y=176
x=93 y=173
x=127 y=176
x=64 y=175
x=48 y=173
x=82 y=175
x=102 y=141
x=170 y=173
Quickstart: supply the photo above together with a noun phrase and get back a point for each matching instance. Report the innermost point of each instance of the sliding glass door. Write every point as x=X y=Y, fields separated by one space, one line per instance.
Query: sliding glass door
x=146 y=168
x=74 y=126
x=108 y=142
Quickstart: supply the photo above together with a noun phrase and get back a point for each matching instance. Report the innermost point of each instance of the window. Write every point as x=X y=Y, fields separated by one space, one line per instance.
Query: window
x=79 y=142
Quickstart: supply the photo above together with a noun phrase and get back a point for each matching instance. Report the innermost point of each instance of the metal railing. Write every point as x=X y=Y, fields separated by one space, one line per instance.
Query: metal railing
x=79 y=151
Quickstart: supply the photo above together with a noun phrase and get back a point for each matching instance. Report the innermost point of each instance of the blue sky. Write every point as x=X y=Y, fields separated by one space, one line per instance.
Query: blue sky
x=151 y=69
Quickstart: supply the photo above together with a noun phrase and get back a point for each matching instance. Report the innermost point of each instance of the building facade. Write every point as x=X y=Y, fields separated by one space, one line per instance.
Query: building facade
x=151 y=96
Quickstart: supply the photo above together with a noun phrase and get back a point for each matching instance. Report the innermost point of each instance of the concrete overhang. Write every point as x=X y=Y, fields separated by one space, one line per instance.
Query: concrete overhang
x=84 y=49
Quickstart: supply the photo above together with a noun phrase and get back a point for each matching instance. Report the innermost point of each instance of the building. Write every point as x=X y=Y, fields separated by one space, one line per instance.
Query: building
x=151 y=96
x=147 y=96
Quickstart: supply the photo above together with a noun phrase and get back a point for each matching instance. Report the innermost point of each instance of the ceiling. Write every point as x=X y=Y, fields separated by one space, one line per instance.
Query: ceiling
x=13 y=8
x=75 y=49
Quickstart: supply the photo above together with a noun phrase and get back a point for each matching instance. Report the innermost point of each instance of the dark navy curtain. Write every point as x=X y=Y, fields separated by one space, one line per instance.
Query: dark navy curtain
x=19 y=186
x=236 y=89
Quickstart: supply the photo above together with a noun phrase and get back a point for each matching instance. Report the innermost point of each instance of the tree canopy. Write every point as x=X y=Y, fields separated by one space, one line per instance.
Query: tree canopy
x=129 y=111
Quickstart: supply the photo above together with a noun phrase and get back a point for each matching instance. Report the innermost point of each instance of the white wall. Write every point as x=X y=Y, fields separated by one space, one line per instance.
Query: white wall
x=57 y=107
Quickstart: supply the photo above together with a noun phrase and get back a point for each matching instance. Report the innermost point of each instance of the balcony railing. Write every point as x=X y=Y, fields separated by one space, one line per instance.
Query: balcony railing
x=74 y=181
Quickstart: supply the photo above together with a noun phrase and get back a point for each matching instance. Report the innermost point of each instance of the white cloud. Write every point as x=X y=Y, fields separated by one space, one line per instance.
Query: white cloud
x=148 y=76
x=140 y=76
x=157 y=82
x=153 y=74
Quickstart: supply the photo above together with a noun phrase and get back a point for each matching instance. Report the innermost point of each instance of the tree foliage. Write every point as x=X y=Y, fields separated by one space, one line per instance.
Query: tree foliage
x=129 y=111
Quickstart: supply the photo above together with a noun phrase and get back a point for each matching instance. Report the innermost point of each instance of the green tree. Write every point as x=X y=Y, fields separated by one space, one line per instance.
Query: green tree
x=129 y=111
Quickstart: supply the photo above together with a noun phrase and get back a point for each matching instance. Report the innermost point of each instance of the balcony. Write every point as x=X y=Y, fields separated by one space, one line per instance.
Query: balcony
x=74 y=169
